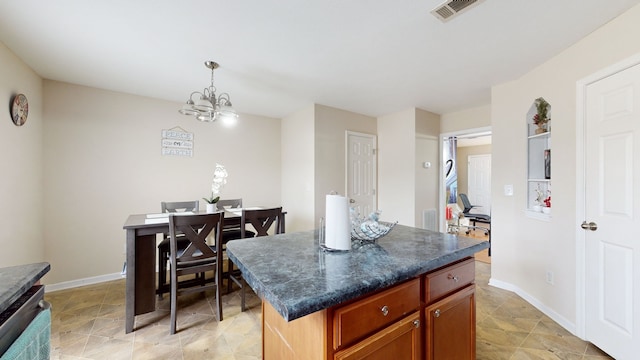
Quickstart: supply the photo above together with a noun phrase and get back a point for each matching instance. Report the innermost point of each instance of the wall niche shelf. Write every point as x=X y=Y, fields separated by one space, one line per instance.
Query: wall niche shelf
x=538 y=158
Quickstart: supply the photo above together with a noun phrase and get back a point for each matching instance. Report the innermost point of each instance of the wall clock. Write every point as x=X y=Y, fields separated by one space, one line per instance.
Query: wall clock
x=19 y=109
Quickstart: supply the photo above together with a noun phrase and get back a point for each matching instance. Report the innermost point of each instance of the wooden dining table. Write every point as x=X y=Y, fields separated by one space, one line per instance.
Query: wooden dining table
x=141 y=257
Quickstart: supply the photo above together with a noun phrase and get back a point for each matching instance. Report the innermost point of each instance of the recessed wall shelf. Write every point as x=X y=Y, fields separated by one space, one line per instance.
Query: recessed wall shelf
x=538 y=124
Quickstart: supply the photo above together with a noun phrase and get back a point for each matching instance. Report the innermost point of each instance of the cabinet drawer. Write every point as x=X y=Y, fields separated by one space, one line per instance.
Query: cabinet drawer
x=449 y=279
x=356 y=320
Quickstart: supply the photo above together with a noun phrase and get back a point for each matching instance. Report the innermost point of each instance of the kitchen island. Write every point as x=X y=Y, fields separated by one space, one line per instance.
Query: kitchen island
x=375 y=299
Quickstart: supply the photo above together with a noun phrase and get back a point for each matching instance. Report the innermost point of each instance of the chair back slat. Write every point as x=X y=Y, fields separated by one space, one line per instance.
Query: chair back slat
x=262 y=220
x=230 y=203
x=179 y=206
x=196 y=229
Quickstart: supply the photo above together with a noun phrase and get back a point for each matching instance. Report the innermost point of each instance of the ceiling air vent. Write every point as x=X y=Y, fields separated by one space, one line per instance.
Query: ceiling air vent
x=452 y=8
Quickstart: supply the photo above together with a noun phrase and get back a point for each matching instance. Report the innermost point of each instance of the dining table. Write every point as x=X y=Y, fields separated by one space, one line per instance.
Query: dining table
x=140 y=266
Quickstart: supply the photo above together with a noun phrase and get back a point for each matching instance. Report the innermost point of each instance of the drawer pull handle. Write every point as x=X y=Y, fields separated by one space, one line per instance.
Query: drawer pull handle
x=455 y=278
x=436 y=313
x=416 y=323
x=385 y=310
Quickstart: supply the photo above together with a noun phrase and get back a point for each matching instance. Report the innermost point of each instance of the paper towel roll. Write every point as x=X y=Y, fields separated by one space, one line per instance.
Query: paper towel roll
x=337 y=224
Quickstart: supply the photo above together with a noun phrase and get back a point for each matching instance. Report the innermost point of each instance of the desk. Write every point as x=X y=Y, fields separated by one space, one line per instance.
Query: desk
x=141 y=261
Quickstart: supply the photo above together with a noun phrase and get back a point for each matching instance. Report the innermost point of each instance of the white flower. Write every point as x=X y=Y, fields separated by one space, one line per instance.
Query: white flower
x=219 y=179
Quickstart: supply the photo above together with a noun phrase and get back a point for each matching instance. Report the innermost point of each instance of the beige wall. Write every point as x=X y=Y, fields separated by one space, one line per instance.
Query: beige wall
x=524 y=248
x=103 y=162
x=21 y=153
x=471 y=118
x=426 y=180
x=331 y=125
x=396 y=167
x=298 y=169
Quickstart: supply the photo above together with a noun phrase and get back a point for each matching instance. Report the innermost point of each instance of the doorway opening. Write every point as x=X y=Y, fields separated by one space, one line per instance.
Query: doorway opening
x=454 y=172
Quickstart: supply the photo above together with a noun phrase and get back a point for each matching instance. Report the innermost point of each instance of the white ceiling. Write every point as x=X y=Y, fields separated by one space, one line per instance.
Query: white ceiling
x=373 y=57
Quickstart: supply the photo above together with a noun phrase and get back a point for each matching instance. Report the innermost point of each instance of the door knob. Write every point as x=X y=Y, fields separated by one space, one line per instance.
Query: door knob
x=589 y=226
x=352 y=201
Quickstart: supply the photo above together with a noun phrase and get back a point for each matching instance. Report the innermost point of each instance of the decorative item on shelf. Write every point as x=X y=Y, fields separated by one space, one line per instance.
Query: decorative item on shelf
x=369 y=229
x=219 y=180
x=547 y=164
x=539 y=201
x=208 y=107
x=541 y=118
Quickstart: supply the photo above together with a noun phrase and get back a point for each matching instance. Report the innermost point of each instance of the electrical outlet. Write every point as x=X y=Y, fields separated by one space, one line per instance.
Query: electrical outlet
x=550 y=279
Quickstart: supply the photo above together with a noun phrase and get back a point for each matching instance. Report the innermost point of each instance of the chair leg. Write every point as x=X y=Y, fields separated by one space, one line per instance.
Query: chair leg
x=218 y=296
x=242 y=291
x=162 y=272
x=174 y=302
x=229 y=270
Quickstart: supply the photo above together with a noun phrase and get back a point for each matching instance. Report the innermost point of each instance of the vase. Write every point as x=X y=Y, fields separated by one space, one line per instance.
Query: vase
x=211 y=208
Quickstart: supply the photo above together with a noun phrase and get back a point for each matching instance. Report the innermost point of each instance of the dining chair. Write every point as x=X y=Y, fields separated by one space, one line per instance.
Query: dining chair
x=163 y=246
x=230 y=232
x=229 y=203
x=198 y=257
x=262 y=221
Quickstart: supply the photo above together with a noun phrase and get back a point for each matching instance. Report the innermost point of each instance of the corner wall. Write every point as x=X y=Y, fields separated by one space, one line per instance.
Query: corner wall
x=103 y=162
x=23 y=203
x=523 y=249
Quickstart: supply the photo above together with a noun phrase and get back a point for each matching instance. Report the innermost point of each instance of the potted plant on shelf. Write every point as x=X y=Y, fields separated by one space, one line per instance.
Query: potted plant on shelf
x=219 y=180
x=541 y=118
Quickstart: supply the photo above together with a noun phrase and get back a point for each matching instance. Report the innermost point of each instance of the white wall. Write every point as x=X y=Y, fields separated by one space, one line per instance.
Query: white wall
x=524 y=248
x=103 y=162
x=21 y=190
x=298 y=148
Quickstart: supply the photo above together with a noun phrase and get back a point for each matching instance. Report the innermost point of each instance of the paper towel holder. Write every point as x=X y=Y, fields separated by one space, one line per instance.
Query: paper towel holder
x=321 y=239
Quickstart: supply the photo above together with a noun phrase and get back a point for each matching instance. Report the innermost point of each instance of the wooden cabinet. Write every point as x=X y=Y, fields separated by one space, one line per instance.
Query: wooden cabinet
x=429 y=317
x=450 y=326
x=401 y=340
x=359 y=319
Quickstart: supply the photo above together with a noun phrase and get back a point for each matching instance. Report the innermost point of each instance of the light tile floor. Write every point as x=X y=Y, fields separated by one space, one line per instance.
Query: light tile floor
x=88 y=323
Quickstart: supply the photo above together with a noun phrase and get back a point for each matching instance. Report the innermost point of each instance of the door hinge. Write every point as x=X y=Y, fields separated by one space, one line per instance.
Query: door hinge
x=374 y=151
x=373 y=191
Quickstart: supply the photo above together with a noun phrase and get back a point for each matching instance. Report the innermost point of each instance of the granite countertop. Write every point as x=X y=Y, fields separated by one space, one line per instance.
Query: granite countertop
x=297 y=278
x=16 y=280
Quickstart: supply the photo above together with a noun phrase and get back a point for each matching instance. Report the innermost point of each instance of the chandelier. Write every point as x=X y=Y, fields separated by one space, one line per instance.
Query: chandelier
x=207 y=107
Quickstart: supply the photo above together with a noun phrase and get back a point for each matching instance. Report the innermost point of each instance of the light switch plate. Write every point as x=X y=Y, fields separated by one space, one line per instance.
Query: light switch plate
x=508 y=190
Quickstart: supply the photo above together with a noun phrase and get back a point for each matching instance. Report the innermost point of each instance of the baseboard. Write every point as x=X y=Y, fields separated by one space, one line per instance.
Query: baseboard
x=82 y=282
x=568 y=325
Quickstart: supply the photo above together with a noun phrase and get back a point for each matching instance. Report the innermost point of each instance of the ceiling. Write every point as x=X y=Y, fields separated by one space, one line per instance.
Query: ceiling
x=279 y=56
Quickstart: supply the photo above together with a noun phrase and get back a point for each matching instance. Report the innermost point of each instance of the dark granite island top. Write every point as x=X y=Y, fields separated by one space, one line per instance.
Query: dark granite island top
x=297 y=278
x=16 y=280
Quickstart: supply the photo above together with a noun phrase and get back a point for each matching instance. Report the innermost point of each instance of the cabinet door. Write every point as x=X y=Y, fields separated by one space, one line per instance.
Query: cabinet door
x=400 y=340
x=450 y=327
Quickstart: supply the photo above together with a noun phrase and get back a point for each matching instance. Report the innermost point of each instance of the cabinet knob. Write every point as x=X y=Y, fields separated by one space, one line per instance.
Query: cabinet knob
x=455 y=278
x=416 y=323
x=436 y=313
x=385 y=310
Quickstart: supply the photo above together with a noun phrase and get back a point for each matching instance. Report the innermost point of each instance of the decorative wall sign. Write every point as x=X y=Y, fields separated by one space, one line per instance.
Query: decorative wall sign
x=177 y=142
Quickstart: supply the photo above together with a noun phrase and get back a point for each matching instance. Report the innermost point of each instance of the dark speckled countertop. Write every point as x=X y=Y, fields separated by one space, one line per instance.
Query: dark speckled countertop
x=297 y=278
x=16 y=280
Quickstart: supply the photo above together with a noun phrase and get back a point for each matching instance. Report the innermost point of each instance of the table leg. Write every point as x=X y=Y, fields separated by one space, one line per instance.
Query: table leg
x=141 y=277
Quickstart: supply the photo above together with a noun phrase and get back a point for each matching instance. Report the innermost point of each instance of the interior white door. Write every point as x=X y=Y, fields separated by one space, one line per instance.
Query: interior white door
x=361 y=172
x=479 y=183
x=612 y=179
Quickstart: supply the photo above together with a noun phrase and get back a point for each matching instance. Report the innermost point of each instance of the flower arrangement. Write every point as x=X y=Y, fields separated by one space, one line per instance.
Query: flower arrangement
x=219 y=180
x=542 y=112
